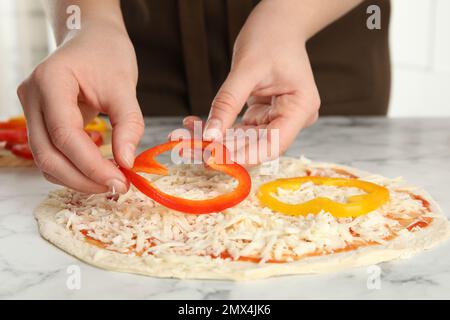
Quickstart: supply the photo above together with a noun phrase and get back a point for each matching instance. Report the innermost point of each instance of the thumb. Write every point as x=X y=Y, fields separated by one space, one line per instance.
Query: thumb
x=227 y=104
x=128 y=127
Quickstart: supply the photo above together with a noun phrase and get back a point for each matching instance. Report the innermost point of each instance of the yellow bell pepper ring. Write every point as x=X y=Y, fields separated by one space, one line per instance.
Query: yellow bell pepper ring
x=356 y=206
x=97 y=124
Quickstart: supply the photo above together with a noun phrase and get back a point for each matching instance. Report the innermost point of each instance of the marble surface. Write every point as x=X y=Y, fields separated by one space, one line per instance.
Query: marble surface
x=417 y=149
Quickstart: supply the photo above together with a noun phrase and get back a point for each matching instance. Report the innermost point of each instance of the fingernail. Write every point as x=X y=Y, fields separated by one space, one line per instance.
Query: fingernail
x=213 y=130
x=116 y=186
x=128 y=155
x=186 y=120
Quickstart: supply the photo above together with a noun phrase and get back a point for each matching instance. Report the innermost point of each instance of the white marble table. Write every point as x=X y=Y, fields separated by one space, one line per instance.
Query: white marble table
x=417 y=149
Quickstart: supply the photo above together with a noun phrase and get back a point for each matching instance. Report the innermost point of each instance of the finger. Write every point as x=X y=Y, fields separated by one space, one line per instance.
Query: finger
x=190 y=123
x=243 y=144
x=193 y=128
x=228 y=102
x=180 y=134
x=128 y=126
x=52 y=179
x=312 y=119
x=49 y=160
x=259 y=100
x=288 y=116
x=247 y=145
x=257 y=114
x=65 y=124
x=88 y=113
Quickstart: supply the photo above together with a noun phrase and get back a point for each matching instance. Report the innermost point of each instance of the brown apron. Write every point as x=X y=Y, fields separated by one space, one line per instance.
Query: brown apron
x=184 y=52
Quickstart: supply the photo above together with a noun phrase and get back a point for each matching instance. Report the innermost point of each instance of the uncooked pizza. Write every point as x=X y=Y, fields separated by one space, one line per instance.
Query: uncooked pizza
x=15 y=151
x=218 y=221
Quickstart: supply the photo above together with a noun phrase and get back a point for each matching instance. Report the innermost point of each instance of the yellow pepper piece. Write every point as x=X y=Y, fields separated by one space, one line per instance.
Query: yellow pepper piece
x=356 y=205
x=97 y=124
x=18 y=121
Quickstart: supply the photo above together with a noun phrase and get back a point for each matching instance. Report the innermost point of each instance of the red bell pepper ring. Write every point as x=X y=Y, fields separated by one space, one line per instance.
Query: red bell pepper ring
x=13 y=135
x=21 y=150
x=146 y=162
x=16 y=141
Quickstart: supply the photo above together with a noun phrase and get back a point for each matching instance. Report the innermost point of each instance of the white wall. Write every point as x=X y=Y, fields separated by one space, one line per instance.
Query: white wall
x=22 y=45
x=420 y=46
x=420 y=42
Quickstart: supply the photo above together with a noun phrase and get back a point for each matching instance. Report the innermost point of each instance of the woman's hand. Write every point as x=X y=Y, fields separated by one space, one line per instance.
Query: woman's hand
x=93 y=70
x=270 y=72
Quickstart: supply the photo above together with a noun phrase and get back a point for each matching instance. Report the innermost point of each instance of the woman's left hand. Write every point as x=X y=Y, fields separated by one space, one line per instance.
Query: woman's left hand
x=270 y=72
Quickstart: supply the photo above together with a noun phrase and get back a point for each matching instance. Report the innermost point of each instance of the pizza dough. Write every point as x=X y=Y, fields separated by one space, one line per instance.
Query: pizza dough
x=131 y=233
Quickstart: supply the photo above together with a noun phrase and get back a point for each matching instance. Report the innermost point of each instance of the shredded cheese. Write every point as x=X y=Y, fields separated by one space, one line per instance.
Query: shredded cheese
x=134 y=224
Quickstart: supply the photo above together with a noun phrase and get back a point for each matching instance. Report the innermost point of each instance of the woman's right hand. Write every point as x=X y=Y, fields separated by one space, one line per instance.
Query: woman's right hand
x=94 y=70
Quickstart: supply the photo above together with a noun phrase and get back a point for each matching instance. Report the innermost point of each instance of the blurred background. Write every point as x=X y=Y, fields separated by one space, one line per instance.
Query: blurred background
x=419 y=37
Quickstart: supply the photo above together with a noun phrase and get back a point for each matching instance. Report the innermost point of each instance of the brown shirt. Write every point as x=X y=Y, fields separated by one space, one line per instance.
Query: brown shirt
x=184 y=53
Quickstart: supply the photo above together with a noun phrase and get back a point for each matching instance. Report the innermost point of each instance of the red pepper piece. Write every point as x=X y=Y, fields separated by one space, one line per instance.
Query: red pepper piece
x=146 y=162
x=21 y=150
x=13 y=135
